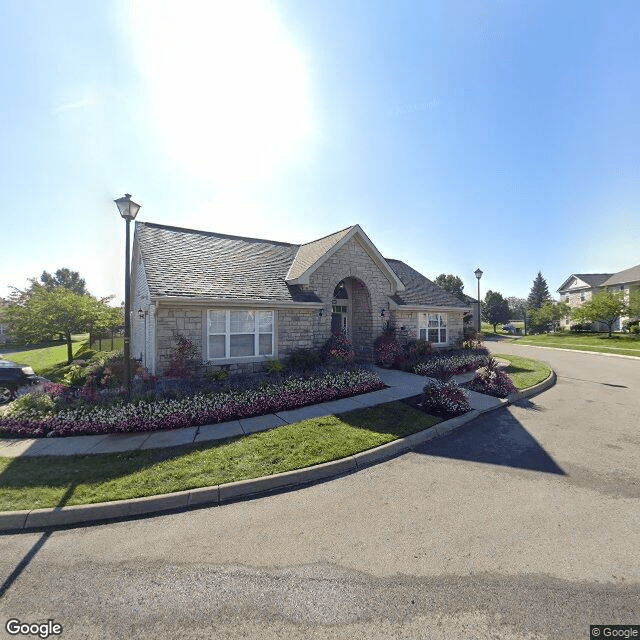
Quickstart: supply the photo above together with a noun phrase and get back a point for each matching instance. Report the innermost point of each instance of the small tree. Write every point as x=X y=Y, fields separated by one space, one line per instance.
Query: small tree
x=634 y=305
x=41 y=313
x=495 y=310
x=550 y=312
x=517 y=308
x=539 y=293
x=605 y=307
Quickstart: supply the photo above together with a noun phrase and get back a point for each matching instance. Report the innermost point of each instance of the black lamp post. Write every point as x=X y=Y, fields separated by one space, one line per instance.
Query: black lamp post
x=128 y=210
x=478 y=273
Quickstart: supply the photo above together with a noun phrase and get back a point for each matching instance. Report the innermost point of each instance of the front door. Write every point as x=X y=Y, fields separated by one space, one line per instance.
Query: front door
x=340 y=317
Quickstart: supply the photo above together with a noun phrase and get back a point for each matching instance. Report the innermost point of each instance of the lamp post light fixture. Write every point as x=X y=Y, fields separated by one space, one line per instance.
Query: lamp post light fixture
x=478 y=273
x=128 y=210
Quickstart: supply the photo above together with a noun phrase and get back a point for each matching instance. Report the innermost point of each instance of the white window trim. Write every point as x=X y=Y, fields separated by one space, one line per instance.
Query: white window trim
x=256 y=337
x=424 y=316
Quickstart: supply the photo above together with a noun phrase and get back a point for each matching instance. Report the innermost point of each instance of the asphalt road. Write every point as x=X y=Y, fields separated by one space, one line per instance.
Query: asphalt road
x=523 y=524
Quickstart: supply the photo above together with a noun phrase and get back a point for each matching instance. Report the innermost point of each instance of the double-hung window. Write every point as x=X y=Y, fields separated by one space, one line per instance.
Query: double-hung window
x=433 y=327
x=239 y=334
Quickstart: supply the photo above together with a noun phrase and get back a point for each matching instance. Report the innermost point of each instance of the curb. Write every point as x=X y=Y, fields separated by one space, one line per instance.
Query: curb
x=38 y=519
x=596 y=353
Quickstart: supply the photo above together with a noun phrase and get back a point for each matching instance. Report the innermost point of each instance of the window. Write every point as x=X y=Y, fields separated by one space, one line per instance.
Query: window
x=433 y=327
x=239 y=334
x=582 y=297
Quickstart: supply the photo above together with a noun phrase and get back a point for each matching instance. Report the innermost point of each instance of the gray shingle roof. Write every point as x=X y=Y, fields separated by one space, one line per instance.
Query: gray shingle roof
x=593 y=279
x=194 y=264
x=622 y=277
x=189 y=263
x=420 y=290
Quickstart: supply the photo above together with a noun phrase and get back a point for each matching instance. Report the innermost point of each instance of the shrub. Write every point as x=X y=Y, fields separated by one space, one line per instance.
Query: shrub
x=388 y=350
x=74 y=377
x=491 y=381
x=634 y=329
x=181 y=364
x=447 y=364
x=216 y=376
x=274 y=366
x=303 y=359
x=338 y=349
x=445 y=399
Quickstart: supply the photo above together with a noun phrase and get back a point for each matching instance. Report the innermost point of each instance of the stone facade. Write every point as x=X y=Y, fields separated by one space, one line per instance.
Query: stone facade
x=406 y=323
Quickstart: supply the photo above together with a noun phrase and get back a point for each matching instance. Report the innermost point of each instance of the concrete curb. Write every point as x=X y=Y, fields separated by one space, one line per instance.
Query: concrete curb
x=37 y=519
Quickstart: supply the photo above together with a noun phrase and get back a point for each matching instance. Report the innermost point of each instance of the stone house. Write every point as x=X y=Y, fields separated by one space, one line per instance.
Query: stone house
x=244 y=301
x=580 y=287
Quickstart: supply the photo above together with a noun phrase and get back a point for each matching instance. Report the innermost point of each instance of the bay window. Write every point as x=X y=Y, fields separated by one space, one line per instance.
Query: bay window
x=242 y=333
x=433 y=327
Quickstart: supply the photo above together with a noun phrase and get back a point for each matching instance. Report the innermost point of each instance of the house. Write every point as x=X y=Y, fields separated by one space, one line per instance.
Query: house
x=244 y=301
x=580 y=287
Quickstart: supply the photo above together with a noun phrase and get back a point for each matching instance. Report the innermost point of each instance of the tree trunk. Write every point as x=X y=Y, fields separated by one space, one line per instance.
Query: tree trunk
x=494 y=328
x=69 y=347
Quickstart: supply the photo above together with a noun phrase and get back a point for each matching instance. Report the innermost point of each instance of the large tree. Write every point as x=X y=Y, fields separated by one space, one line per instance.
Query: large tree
x=495 y=310
x=64 y=278
x=452 y=284
x=517 y=308
x=44 y=313
x=634 y=305
x=539 y=292
x=605 y=307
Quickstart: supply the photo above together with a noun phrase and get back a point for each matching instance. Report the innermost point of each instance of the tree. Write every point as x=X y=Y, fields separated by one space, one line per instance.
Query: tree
x=605 y=307
x=550 y=313
x=452 y=284
x=517 y=308
x=634 y=305
x=495 y=310
x=44 y=313
x=64 y=278
x=539 y=292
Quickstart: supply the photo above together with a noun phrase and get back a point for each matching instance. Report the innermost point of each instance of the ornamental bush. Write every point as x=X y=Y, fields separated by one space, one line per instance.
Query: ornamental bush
x=338 y=349
x=447 y=364
x=444 y=399
x=491 y=381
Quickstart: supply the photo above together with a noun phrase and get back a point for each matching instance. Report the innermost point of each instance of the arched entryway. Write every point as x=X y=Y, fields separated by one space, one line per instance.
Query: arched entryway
x=351 y=312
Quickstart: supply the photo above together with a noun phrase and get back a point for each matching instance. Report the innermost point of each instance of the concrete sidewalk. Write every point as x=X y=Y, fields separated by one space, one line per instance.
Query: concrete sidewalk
x=400 y=385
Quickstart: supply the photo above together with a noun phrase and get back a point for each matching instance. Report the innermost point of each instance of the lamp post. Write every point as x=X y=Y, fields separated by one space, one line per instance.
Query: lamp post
x=478 y=273
x=128 y=210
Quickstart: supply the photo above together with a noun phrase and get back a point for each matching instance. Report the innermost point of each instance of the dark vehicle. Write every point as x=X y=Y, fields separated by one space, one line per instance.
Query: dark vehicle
x=12 y=377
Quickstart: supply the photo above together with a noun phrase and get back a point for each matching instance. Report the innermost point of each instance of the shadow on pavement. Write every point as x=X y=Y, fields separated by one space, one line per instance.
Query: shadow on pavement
x=495 y=438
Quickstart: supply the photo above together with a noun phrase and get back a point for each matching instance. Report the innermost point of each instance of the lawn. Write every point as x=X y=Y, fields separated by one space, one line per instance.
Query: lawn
x=44 y=358
x=622 y=344
x=49 y=481
x=524 y=372
x=488 y=328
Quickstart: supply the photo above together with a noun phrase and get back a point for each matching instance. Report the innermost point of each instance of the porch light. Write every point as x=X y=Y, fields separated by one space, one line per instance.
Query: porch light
x=140 y=314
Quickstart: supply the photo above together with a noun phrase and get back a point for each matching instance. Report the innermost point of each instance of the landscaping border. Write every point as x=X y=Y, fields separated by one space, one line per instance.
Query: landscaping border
x=87 y=514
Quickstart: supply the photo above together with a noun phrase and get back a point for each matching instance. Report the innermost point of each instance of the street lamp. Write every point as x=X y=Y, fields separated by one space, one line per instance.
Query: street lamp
x=128 y=210
x=478 y=273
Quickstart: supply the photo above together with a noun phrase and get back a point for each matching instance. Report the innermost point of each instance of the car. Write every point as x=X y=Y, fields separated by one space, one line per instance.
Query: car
x=509 y=327
x=12 y=377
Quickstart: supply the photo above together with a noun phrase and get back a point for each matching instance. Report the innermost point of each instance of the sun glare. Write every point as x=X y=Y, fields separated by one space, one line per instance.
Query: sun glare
x=227 y=86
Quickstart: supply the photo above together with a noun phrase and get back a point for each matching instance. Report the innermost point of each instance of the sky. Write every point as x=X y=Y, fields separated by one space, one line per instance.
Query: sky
x=500 y=135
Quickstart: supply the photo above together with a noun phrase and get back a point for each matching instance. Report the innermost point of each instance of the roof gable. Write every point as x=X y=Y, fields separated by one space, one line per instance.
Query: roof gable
x=313 y=255
x=583 y=281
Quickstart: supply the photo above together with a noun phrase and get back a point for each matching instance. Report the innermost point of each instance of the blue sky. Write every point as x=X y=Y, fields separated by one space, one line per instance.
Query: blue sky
x=458 y=134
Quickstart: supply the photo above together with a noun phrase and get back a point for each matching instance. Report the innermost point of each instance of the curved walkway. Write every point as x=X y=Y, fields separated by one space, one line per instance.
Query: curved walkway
x=401 y=385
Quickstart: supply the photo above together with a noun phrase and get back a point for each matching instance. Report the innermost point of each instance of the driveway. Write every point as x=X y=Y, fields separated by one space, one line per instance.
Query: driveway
x=524 y=524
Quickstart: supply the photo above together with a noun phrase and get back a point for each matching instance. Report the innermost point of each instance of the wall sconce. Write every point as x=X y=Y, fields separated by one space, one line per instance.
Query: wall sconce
x=382 y=314
x=321 y=313
x=140 y=314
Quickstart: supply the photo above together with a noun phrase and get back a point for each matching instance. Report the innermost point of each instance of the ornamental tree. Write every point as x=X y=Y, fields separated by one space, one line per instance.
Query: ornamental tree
x=551 y=312
x=605 y=307
x=40 y=313
x=452 y=284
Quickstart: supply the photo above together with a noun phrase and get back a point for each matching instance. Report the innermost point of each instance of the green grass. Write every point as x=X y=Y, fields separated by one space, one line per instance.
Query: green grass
x=44 y=358
x=622 y=344
x=49 y=481
x=488 y=328
x=118 y=344
x=524 y=372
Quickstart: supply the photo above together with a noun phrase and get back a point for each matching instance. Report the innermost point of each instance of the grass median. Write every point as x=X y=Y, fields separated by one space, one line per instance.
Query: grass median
x=620 y=344
x=39 y=482
x=524 y=372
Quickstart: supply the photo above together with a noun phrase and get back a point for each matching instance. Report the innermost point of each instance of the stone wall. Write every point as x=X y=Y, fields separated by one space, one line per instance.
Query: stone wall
x=407 y=326
x=186 y=320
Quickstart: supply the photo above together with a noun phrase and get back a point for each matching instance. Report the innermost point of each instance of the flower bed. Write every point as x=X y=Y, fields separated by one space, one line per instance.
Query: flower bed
x=492 y=381
x=450 y=363
x=50 y=417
